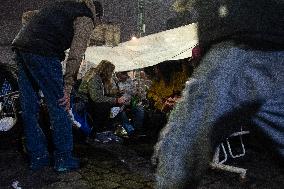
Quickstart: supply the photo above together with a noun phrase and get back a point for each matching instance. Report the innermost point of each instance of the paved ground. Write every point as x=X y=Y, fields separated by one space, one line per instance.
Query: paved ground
x=127 y=166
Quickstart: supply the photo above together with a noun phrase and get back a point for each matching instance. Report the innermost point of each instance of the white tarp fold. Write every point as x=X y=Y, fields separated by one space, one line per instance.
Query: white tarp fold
x=146 y=51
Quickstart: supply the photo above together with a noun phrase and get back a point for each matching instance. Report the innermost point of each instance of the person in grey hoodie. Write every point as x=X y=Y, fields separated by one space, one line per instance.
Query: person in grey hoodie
x=239 y=81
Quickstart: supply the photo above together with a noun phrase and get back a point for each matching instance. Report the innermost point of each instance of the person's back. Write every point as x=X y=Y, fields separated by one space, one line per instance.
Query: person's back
x=50 y=31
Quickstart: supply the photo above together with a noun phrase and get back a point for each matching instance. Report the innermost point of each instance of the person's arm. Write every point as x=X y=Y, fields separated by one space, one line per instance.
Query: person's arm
x=83 y=27
x=216 y=102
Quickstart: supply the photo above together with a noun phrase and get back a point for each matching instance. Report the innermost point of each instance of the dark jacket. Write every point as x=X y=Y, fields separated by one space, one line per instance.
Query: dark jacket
x=257 y=22
x=51 y=31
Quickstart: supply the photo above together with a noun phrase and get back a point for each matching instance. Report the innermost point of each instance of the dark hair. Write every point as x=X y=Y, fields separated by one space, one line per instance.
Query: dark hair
x=99 y=9
x=150 y=72
x=168 y=68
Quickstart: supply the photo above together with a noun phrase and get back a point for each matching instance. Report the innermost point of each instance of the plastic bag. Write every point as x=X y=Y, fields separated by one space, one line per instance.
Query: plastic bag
x=6 y=123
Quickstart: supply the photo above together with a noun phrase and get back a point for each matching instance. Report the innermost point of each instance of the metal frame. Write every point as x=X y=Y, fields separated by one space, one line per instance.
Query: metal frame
x=219 y=164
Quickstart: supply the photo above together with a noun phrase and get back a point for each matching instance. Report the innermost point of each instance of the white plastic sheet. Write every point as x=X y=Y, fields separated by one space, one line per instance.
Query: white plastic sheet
x=172 y=44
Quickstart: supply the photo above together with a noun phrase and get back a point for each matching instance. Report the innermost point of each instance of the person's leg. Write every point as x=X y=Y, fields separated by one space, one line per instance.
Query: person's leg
x=35 y=139
x=99 y=113
x=48 y=73
x=126 y=123
x=138 y=117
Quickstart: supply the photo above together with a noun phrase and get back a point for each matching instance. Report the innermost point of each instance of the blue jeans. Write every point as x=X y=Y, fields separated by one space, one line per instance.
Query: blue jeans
x=45 y=74
x=138 y=116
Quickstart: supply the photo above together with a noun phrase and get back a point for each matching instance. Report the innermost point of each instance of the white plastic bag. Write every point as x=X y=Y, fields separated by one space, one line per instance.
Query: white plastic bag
x=114 y=111
x=6 y=123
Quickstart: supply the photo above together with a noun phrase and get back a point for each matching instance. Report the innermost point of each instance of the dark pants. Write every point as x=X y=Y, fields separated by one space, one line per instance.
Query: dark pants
x=45 y=74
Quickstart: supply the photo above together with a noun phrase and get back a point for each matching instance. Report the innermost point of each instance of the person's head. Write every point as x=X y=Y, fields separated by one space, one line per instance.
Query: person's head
x=186 y=66
x=105 y=69
x=166 y=70
x=122 y=76
x=150 y=72
x=27 y=16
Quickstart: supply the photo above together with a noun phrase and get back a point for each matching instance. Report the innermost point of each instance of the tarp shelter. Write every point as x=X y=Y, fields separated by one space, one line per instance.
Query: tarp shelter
x=146 y=51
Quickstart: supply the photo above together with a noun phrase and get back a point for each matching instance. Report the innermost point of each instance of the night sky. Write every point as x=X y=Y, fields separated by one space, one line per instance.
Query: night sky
x=122 y=12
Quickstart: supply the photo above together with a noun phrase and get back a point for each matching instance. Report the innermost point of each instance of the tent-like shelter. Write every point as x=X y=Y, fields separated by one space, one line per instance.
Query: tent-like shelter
x=146 y=51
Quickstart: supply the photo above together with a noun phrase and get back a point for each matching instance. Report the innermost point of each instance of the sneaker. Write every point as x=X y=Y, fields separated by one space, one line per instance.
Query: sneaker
x=39 y=162
x=66 y=164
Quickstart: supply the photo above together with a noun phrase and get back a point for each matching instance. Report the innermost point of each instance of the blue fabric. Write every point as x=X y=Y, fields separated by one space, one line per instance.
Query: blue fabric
x=138 y=116
x=126 y=123
x=82 y=119
x=44 y=73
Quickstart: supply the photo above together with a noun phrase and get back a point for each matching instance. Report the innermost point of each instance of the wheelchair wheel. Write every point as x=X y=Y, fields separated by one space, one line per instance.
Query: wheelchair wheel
x=9 y=101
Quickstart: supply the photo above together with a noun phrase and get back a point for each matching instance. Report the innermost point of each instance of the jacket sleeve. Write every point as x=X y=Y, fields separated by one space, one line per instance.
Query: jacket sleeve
x=96 y=91
x=221 y=97
x=83 y=26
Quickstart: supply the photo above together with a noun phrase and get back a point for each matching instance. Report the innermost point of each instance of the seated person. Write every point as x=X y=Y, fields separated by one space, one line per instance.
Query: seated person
x=184 y=70
x=131 y=93
x=162 y=86
x=168 y=82
x=142 y=83
x=96 y=89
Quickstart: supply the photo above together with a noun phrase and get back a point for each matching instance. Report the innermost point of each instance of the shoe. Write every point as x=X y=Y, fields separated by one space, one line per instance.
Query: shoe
x=66 y=164
x=39 y=162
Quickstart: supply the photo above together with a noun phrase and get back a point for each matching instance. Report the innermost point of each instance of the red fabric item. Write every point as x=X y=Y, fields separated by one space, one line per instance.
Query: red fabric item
x=196 y=52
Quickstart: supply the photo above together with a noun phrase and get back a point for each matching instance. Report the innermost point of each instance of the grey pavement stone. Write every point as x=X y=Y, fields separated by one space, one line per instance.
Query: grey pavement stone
x=150 y=184
x=70 y=176
x=79 y=184
x=104 y=170
x=100 y=170
x=57 y=185
x=92 y=176
x=113 y=177
x=131 y=184
x=106 y=164
x=104 y=184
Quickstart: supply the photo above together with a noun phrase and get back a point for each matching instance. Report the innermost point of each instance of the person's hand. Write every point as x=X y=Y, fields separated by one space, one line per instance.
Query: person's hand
x=168 y=104
x=121 y=100
x=176 y=98
x=65 y=100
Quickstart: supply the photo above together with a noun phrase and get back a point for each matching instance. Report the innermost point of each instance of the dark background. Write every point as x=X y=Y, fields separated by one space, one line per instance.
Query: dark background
x=123 y=12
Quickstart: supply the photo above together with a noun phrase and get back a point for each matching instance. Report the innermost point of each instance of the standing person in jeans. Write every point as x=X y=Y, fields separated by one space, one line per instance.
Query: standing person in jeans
x=239 y=81
x=39 y=48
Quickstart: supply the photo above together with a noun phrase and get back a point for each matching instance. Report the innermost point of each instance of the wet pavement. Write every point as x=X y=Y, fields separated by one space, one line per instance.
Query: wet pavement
x=127 y=166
